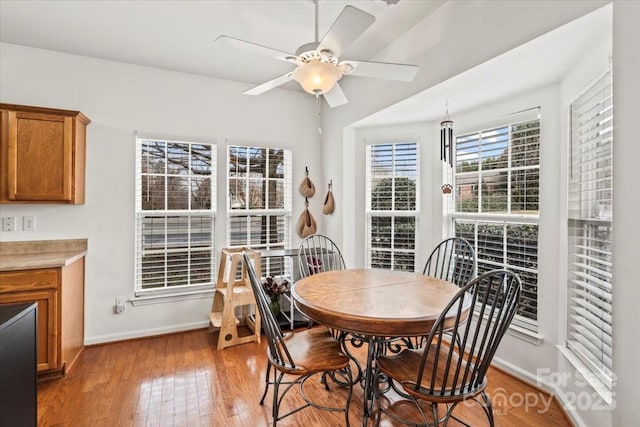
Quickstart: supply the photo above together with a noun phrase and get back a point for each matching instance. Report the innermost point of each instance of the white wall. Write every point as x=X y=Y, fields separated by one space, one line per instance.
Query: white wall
x=520 y=357
x=572 y=387
x=626 y=205
x=121 y=99
x=429 y=184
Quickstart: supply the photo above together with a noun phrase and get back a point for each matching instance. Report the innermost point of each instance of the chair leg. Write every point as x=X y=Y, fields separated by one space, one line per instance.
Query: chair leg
x=276 y=401
x=350 y=385
x=376 y=390
x=266 y=383
x=488 y=409
x=323 y=380
x=422 y=414
x=434 y=411
x=277 y=381
x=449 y=414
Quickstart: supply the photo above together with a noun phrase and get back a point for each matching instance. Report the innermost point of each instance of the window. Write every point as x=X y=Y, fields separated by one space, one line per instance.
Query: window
x=259 y=202
x=589 y=327
x=496 y=203
x=392 y=201
x=175 y=194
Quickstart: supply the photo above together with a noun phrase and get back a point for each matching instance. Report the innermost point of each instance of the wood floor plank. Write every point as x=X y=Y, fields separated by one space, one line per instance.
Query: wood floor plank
x=182 y=380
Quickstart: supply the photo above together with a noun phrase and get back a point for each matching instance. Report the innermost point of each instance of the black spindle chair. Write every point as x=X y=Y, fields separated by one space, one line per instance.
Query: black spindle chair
x=296 y=357
x=453 y=260
x=441 y=374
x=318 y=253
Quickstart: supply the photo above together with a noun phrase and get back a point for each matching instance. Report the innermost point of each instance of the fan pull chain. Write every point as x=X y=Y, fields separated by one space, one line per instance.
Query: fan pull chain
x=319 y=103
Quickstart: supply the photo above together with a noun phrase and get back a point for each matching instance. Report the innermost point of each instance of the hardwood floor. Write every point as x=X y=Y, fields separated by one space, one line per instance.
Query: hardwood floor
x=182 y=380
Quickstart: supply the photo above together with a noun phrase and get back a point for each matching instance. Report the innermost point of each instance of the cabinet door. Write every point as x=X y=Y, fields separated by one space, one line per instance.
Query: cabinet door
x=39 y=157
x=47 y=323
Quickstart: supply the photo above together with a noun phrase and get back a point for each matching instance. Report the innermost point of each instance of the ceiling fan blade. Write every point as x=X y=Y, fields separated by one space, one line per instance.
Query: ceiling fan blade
x=271 y=84
x=349 y=25
x=383 y=70
x=255 y=48
x=335 y=97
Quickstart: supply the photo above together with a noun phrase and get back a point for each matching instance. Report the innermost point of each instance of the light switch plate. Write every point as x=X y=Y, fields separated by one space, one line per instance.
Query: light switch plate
x=8 y=223
x=28 y=223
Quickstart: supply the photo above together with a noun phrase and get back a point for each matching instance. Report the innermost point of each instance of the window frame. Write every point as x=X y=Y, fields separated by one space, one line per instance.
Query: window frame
x=283 y=213
x=596 y=286
x=525 y=324
x=141 y=214
x=393 y=214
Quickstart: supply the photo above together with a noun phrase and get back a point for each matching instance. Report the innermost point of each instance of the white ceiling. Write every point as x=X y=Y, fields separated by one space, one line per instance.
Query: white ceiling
x=179 y=36
x=542 y=61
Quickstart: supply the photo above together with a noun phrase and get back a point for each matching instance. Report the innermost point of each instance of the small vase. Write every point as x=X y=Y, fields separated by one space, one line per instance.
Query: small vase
x=274 y=305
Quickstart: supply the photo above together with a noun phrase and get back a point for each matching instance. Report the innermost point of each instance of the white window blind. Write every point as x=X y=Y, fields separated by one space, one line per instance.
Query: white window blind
x=259 y=200
x=392 y=205
x=175 y=205
x=589 y=327
x=496 y=202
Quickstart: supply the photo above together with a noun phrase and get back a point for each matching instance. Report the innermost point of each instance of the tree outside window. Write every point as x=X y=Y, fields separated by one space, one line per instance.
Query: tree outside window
x=392 y=175
x=174 y=227
x=259 y=199
x=496 y=203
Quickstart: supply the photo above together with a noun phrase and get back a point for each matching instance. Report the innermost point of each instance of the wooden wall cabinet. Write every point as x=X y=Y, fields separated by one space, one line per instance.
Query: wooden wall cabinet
x=59 y=293
x=42 y=155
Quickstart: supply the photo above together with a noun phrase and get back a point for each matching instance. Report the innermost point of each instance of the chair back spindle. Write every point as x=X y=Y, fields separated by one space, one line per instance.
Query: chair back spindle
x=452 y=260
x=318 y=253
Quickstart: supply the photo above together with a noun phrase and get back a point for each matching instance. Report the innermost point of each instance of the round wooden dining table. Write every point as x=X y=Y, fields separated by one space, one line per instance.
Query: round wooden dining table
x=374 y=302
x=376 y=305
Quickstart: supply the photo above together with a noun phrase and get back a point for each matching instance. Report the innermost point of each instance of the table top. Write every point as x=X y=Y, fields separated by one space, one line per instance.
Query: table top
x=374 y=302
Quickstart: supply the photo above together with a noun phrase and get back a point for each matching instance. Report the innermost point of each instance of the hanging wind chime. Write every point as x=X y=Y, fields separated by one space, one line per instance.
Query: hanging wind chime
x=446 y=138
x=446 y=146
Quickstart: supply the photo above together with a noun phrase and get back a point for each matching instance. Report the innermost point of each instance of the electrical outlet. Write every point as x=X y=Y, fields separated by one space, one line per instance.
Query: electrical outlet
x=119 y=308
x=8 y=223
x=28 y=223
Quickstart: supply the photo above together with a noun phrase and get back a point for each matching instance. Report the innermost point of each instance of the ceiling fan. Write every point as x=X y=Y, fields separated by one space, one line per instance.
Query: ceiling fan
x=318 y=66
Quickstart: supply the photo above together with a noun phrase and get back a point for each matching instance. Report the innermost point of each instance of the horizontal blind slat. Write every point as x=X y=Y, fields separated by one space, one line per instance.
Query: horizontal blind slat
x=175 y=202
x=259 y=201
x=392 y=178
x=589 y=318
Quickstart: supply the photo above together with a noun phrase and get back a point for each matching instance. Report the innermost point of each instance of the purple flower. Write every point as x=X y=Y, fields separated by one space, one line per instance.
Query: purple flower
x=275 y=287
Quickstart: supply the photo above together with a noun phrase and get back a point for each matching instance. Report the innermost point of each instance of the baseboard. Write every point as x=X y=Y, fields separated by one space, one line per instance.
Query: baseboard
x=145 y=333
x=544 y=386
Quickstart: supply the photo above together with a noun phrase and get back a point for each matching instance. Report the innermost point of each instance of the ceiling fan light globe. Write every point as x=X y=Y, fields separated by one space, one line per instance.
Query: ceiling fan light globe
x=317 y=77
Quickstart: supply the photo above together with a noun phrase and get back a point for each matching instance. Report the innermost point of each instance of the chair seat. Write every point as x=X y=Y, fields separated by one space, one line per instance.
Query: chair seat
x=404 y=369
x=313 y=351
